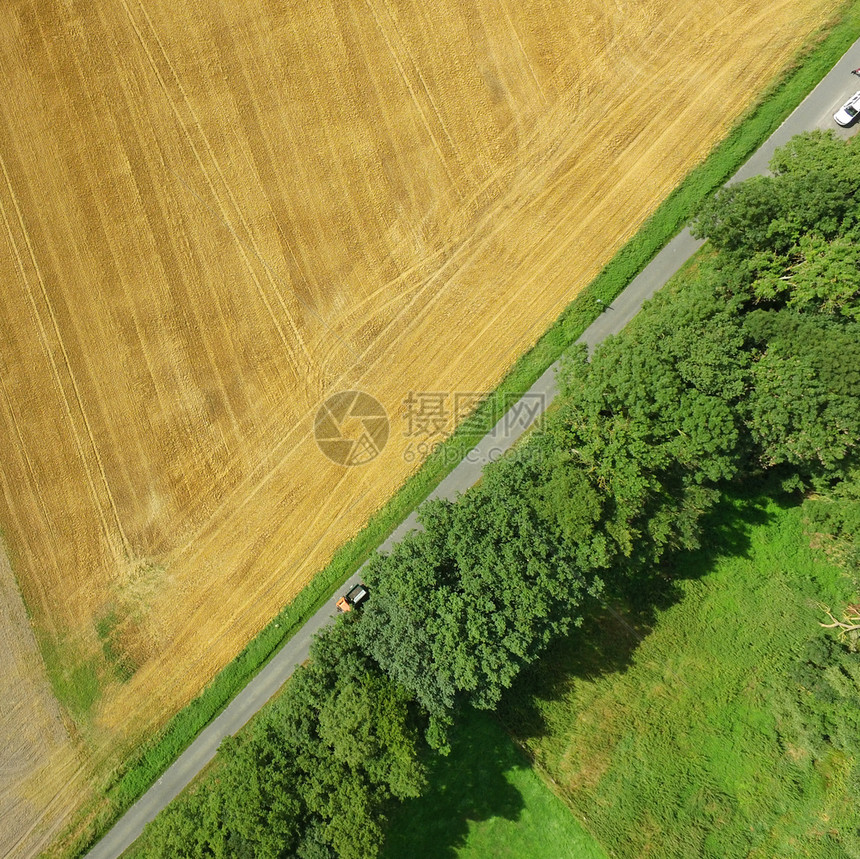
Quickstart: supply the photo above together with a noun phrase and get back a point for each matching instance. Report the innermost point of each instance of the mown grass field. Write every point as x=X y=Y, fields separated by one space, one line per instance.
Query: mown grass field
x=206 y=237
x=485 y=800
x=40 y=748
x=668 y=723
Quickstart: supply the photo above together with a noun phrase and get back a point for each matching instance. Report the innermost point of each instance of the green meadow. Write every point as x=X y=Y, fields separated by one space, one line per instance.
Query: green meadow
x=701 y=715
x=687 y=717
x=485 y=800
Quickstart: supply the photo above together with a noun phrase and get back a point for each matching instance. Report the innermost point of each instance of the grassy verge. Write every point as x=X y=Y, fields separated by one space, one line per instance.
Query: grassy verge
x=150 y=760
x=707 y=736
x=485 y=800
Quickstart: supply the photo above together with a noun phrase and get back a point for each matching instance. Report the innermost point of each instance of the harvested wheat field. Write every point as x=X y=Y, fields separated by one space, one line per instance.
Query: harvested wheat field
x=216 y=214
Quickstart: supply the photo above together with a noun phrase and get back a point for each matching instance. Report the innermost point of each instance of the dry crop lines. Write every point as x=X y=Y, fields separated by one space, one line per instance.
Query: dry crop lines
x=21 y=241
x=192 y=128
x=216 y=214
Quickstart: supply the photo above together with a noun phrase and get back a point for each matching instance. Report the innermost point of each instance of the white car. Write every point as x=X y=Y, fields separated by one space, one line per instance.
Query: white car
x=848 y=112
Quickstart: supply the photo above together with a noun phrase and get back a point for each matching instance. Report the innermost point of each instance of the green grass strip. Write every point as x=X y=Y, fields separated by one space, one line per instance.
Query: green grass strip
x=142 y=770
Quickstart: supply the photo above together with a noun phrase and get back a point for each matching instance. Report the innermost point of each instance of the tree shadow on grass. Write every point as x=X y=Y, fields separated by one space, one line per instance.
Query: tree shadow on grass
x=613 y=626
x=725 y=532
x=467 y=786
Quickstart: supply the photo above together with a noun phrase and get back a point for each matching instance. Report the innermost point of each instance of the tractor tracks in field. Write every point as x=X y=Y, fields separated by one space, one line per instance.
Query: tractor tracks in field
x=814 y=112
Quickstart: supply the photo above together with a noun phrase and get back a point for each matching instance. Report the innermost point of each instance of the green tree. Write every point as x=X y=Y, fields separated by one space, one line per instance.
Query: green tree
x=804 y=404
x=191 y=827
x=737 y=219
x=315 y=772
x=815 y=274
x=791 y=239
x=834 y=518
x=460 y=607
x=653 y=420
x=352 y=738
x=813 y=189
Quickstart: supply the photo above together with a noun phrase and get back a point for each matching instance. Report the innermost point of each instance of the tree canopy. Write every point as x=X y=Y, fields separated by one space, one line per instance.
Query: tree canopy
x=315 y=771
x=791 y=238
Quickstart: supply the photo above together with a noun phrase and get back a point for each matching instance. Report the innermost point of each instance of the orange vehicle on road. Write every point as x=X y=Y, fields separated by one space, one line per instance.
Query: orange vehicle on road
x=352 y=598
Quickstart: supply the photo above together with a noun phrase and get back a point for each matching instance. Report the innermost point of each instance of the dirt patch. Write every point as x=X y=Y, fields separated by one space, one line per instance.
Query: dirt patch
x=35 y=750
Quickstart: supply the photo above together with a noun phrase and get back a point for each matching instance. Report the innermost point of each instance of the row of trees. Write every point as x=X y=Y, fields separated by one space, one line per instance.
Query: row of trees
x=310 y=777
x=753 y=366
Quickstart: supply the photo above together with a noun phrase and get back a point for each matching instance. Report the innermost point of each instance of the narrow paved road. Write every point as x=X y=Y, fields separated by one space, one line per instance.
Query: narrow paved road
x=816 y=111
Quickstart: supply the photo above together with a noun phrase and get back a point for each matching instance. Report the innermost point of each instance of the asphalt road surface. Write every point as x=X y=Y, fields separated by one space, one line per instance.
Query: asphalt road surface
x=816 y=111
